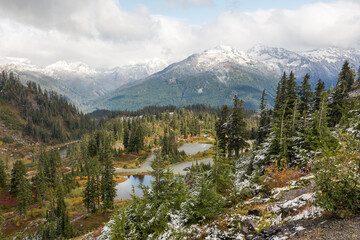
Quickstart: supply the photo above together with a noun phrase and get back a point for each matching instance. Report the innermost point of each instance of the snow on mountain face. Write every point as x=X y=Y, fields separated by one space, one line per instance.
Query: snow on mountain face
x=78 y=81
x=61 y=67
x=221 y=54
x=17 y=64
x=277 y=59
x=331 y=55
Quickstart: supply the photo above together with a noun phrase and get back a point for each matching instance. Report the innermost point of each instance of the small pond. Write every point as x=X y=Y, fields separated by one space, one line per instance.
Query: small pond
x=124 y=189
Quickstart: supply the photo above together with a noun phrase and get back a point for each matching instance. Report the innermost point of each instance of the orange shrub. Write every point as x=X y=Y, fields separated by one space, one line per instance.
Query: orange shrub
x=275 y=177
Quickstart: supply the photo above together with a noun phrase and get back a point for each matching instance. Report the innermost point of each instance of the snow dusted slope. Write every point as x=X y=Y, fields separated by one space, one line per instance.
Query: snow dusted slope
x=215 y=73
x=322 y=63
x=78 y=81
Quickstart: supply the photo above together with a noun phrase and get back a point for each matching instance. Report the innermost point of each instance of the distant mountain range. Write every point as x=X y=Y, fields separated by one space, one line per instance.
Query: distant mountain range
x=77 y=81
x=211 y=77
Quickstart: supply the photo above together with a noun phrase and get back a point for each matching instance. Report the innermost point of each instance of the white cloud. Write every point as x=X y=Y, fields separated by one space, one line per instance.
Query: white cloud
x=189 y=3
x=101 y=32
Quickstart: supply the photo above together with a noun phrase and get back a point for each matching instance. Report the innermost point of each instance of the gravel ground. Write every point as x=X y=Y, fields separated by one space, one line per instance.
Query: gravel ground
x=332 y=229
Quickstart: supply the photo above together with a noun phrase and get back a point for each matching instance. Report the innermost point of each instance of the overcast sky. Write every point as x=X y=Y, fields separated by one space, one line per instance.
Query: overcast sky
x=117 y=32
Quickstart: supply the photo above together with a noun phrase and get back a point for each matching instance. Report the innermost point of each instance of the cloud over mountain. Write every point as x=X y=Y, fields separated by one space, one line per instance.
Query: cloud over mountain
x=104 y=33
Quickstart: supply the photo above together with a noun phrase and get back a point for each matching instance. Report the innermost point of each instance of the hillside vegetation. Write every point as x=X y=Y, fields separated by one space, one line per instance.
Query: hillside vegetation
x=45 y=116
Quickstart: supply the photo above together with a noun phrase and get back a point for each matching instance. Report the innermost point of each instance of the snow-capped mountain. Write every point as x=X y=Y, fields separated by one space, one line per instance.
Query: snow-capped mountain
x=210 y=77
x=78 y=81
x=324 y=63
x=215 y=75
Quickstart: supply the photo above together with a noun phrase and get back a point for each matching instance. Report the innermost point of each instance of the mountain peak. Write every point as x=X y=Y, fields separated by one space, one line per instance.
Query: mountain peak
x=221 y=54
x=72 y=67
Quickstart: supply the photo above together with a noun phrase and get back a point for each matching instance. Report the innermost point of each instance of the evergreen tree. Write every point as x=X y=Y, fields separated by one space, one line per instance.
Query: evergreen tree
x=126 y=136
x=291 y=90
x=17 y=174
x=3 y=175
x=264 y=123
x=281 y=95
x=320 y=87
x=340 y=97
x=222 y=171
x=237 y=128
x=92 y=188
x=108 y=184
x=306 y=97
x=205 y=204
x=221 y=128
x=23 y=196
x=41 y=186
x=63 y=227
x=158 y=166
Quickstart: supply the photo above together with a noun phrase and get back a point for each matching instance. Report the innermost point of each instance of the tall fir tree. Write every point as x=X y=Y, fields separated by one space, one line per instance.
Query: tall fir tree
x=291 y=91
x=264 y=122
x=221 y=128
x=281 y=95
x=237 y=128
x=23 y=196
x=340 y=97
x=158 y=166
x=306 y=97
x=3 y=175
x=108 y=184
x=320 y=87
x=17 y=173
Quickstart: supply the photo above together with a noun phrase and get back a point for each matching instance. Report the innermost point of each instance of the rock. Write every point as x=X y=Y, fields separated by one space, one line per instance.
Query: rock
x=256 y=212
x=271 y=231
x=258 y=238
x=249 y=224
x=245 y=230
x=285 y=212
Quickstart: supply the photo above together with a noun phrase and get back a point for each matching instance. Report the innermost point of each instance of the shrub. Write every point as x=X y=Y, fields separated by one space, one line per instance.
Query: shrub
x=7 y=139
x=275 y=177
x=337 y=176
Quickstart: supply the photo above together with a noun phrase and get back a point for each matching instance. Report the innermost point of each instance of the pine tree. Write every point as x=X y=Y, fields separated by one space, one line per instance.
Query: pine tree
x=291 y=91
x=158 y=166
x=63 y=226
x=340 y=96
x=320 y=87
x=3 y=175
x=205 y=204
x=306 y=97
x=41 y=186
x=222 y=171
x=108 y=184
x=280 y=94
x=17 y=173
x=23 y=196
x=92 y=188
x=264 y=123
x=237 y=128
x=126 y=136
x=221 y=128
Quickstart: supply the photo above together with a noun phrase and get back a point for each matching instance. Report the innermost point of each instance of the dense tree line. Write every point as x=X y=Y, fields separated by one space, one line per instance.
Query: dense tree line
x=48 y=116
x=301 y=119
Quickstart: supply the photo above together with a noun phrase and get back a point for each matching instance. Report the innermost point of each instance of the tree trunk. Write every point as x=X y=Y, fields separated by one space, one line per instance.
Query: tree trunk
x=282 y=122
x=293 y=120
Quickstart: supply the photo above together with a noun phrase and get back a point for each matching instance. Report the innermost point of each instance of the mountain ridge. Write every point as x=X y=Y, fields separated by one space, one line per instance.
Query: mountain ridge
x=95 y=88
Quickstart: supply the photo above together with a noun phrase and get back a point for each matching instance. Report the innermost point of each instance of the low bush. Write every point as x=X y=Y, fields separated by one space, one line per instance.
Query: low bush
x=337 y=176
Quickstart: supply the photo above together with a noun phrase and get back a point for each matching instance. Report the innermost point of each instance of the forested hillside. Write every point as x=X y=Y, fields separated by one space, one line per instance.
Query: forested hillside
x=304 y=164
x=45 y=116
x=259 y=176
